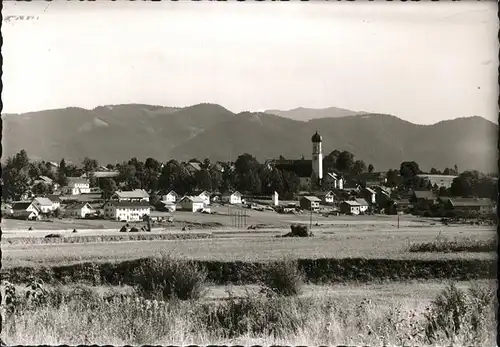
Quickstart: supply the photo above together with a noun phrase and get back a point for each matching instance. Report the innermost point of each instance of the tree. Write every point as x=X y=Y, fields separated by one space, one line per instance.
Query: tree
x=108 y=187
x=174 y=176
x=16 y=183
x=408 y=170
x=435 y=171
x=216 y=178
x=291 y=182
x=89 y=165
x=34 y=171
x=62 y=167
x=203 y=180
x=21 y=160
x=42 y=189
x=127 y=176
x=330 y=161
x=392 y=178
x=345 y=161
x=370 y=168
x=358 y=167
x=57 y=212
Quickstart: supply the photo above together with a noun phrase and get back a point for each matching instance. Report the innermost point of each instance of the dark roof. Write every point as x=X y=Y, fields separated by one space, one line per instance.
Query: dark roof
x=21 y=205
x=311 y=198
x=128 y=203
x=78 y=206
x=316 y=137
x=469 y=202
x=301 y=167
x=54 y=198
x=424 y=194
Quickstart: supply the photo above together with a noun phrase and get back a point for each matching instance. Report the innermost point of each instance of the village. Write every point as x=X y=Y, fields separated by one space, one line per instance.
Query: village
x=332 y=193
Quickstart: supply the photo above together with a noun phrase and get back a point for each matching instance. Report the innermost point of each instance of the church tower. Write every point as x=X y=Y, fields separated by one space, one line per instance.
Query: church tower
x=317 y=156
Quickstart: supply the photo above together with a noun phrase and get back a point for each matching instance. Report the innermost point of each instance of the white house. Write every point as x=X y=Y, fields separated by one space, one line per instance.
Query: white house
x=310 y=203
x=136 y=195
x=191 y=203
x=203 y=195
x=25 y=209
x=171 y=196
x=363 y=205
x=77 y=185
x=233 y=198
x=350 y=207
x=56 y=202
x=129 y=211
x=168 y=205
x=43 y=204
x=327 y=197
x=80 y=210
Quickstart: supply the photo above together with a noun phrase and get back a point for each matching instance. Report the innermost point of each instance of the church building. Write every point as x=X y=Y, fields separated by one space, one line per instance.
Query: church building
x=308 y=171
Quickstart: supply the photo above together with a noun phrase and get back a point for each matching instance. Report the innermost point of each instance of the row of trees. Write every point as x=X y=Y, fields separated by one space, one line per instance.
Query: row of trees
x=246 y=175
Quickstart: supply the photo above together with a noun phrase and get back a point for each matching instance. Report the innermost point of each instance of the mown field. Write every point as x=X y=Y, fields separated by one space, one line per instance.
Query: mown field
x=245 y=246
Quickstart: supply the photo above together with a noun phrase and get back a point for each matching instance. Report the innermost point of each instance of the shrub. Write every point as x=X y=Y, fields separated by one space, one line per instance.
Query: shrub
x=166 y=277
x=283 y=277
x=456 y=245
x=457 y=313
x=298 y=230
x=134 y=230
x=123 y=229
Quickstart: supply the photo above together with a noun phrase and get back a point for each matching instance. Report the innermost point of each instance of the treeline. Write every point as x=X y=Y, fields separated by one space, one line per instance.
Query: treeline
x=246 y=175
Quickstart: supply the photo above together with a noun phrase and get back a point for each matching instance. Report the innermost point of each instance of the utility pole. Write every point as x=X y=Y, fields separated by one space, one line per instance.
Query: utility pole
x=398 y=219
x=310 y=219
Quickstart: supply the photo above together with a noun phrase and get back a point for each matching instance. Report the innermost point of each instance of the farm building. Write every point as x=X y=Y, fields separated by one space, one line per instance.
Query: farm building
x=126 y=210
x=136 y=195
x=310 y=203
x=79 y=210
x=350 y=207
x=233 y=198
x=204 y=195
x=423 y=198
x=327 y=197
x=55 y=200
x=171 y=196
x=76 y=186
x=363 y=205
x=103 y=174
x=191 y=203
x=43 y=204
x=481 y=205
x=47 y=181
x=438 y=180
x=25 y=209
x=167 y=206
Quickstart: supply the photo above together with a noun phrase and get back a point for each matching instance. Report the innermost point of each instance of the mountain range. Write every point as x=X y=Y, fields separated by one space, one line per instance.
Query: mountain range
x=115 y=133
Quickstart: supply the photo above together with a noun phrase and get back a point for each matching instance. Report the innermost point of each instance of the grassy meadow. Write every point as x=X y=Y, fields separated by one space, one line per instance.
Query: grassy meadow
x=357 y=281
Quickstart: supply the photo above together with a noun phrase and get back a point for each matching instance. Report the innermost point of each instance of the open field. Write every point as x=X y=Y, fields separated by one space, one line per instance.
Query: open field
x=222 y=220
x=238 y=246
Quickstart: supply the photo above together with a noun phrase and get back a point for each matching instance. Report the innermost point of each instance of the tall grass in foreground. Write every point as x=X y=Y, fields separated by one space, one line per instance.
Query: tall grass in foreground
x=83 y=316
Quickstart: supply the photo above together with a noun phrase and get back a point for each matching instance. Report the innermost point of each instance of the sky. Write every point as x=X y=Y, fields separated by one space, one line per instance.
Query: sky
x=423 y=62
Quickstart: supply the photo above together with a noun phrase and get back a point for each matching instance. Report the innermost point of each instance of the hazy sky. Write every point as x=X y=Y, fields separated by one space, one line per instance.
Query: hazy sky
x=423 y=62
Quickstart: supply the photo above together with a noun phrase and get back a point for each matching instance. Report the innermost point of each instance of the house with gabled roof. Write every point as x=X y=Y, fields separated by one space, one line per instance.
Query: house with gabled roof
x=171 y=196
x=126 y=210
x=369 y=194
x=327 y=197
x=423 y=199
x=310 y=203
x=191 y=203
x=43 y=204
x=56 y=201
x=350 y=207
x=233 y=198
x=25 y=210
x=203 y=194
x=80 y=210
x=77 y=186
x=363 y=205
x=481 y=205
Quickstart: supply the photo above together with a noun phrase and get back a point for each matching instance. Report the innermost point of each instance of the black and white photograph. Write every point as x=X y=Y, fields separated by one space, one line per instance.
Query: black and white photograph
x=314 y=173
